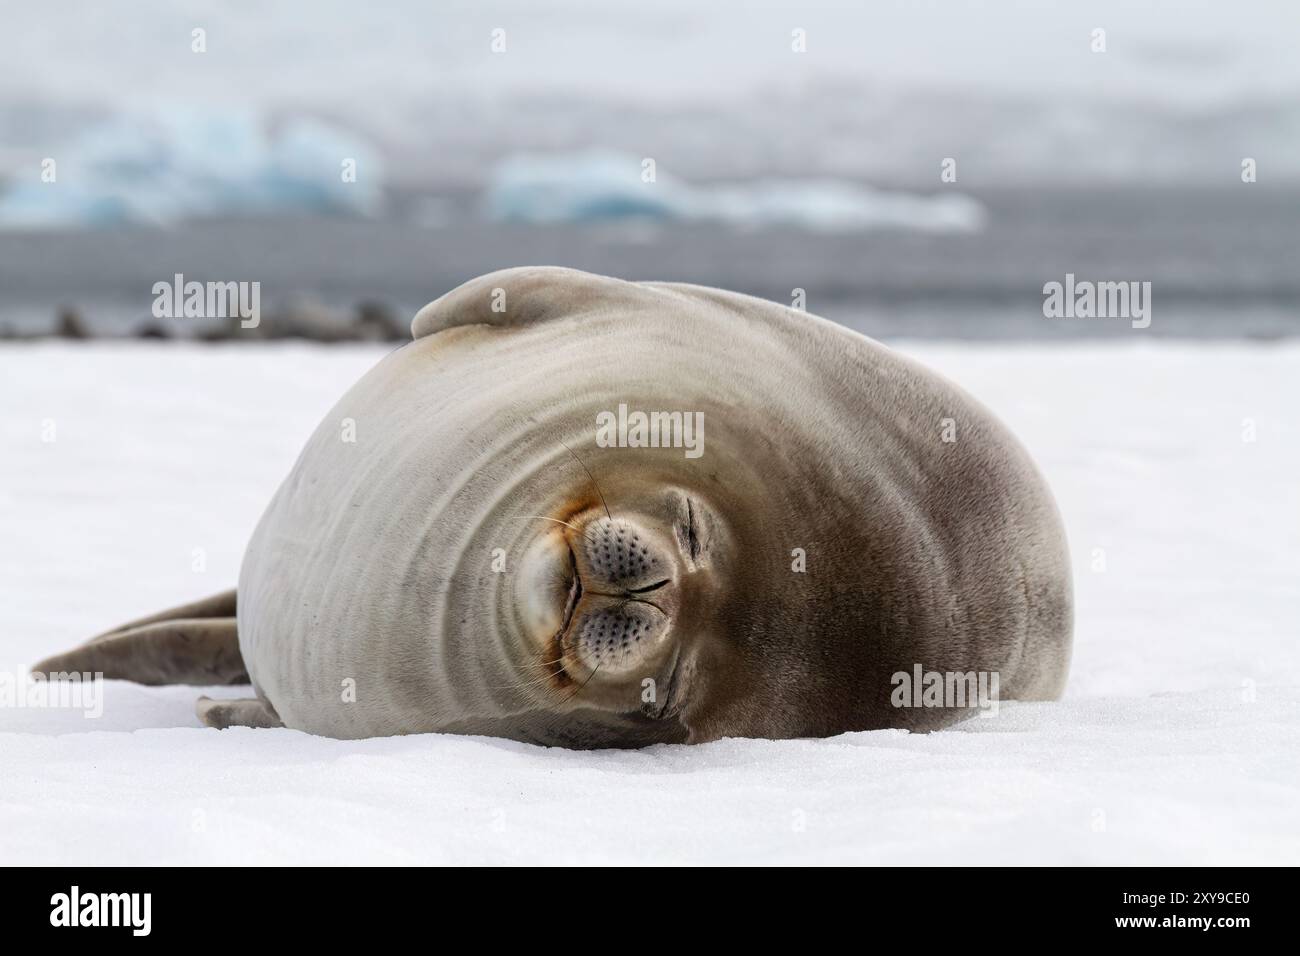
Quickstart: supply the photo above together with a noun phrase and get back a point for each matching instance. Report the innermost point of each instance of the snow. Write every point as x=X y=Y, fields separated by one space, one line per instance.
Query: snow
x=1176 y=741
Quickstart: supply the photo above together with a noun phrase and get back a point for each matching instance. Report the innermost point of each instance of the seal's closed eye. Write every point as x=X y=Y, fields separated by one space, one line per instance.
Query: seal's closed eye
x=693 y=527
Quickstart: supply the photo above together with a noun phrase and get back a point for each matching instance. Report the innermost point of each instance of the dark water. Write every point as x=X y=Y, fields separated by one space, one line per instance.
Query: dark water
x=1222 y=264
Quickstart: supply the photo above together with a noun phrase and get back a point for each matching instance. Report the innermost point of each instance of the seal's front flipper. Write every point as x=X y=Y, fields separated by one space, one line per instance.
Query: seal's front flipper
x=160 y=650
x=245 y=712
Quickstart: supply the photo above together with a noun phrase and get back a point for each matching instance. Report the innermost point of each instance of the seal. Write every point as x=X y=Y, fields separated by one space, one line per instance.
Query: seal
x=584 y=512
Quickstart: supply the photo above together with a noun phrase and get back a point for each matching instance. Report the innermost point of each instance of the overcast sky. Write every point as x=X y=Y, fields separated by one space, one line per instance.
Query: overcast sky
x=1182 y=91
x=1175 y=53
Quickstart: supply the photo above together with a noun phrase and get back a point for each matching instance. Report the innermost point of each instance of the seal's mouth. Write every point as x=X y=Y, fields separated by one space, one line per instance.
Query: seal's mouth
x=649 y=587
x=575 y=595
x=576 y=592
x=561 y=641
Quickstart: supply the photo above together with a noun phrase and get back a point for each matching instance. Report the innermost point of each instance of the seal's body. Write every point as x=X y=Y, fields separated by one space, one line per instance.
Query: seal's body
x=482 y=536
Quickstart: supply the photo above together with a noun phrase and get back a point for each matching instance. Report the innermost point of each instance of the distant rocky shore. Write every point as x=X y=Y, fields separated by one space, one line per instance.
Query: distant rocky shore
x=368 y=321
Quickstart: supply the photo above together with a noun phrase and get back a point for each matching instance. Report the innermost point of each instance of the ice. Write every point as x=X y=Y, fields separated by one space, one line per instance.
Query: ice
x=596 y=185
x=165 y=166
x=1176 y=741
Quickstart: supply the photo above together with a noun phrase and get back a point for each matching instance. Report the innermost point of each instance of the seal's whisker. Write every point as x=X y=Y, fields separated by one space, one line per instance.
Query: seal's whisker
x=594 y=483
x=539 y=680
x=530 y=683
x=556 y=520
x=583 y=684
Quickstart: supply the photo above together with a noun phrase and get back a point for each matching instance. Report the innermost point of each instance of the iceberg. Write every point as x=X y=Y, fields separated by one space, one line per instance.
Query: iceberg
x=599 y=185
x=168 y=167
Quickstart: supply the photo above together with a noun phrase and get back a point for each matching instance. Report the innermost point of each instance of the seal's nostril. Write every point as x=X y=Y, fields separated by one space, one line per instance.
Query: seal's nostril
x=621 y=555
x=618 y=636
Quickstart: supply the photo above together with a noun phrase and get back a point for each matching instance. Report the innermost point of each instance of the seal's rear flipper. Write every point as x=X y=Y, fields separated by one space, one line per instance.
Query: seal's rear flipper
x=193 y=644
x=218 y=605
x=245 y=712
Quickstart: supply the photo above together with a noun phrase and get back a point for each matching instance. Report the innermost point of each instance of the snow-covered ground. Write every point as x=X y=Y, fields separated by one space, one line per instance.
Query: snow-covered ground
x=131 y=476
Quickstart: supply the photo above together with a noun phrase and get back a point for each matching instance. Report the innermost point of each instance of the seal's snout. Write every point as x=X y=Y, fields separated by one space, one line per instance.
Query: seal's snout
x=626 y=576
x=599 y=595
x=623 y=558
x=616 y=637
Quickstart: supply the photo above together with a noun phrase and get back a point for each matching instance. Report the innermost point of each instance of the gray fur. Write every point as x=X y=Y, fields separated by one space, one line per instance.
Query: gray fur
x=368 y=604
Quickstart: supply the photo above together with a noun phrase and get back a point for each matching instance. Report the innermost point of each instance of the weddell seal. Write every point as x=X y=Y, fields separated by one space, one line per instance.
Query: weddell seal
x=586 y=512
